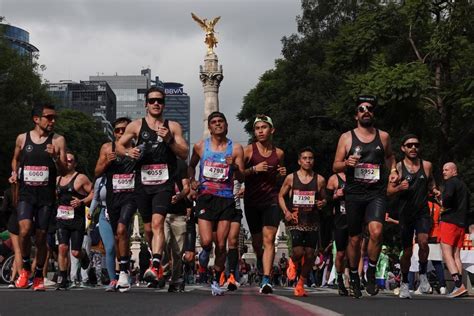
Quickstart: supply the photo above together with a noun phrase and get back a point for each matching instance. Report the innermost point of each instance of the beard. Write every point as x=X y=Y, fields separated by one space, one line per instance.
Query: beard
x=367 y=122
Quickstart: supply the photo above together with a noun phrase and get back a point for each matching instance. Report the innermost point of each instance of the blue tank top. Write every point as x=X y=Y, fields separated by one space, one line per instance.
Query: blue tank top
x=216 y=176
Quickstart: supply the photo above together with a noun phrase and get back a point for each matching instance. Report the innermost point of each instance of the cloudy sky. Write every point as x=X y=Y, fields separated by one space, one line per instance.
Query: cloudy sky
x=79 y=38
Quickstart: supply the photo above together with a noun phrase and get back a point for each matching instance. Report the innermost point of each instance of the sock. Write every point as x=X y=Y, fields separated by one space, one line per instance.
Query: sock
x=63 y=275
x=156 y=260
x=354 y=274
x=117 y=273
x=266 y=278
x=457 y=280
x=233 y=256
x=27 y=263
x=340 y=277
x=371 y=269
x=405 y=277
x=301 y=281
x=423 y=266
x=124 y=264
x=260 y=264
x=38 y=272
x=218 y=276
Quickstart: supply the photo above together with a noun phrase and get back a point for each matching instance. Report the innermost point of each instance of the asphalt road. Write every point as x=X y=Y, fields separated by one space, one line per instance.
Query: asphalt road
x=197 y=300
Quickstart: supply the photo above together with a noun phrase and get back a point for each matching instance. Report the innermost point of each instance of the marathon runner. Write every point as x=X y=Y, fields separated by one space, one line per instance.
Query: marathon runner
x=414 y=215
x=120 y=200
x=74 y=192
x=38 y=156
x=220 y=160
x=264 y=164
x=307 y=193
x=363 y=154
x=160 y=141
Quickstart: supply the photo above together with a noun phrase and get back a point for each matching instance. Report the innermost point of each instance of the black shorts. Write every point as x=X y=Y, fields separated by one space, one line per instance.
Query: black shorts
x=360 y=213
x=121 y=213
x=421 y=225
x=215 y=208
x=341 y=237
x=265 y=215
x=40 y=215
x=75 y=236
x=149 y=204
x=307 y=239
x=237 y=216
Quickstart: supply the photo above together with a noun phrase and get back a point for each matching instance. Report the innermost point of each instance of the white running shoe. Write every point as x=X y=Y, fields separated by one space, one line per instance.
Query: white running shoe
x=216 y=289
x=425 y=287
x=123 y=283
x=442 y=290
x=404 y=291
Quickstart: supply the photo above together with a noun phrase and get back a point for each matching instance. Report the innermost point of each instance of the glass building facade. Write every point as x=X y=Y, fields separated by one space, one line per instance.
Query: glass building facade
x=178 y=107
x=18 y=39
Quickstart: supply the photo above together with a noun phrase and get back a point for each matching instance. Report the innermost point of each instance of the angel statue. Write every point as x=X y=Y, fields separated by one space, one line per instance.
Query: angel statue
x=208 y=27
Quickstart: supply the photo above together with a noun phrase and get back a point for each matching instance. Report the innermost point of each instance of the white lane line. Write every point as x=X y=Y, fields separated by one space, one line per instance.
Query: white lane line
x=309 y=307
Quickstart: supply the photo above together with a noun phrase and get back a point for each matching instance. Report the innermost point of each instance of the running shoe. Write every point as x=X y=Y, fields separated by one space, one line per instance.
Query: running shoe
x=152 y=285
x=354 y=287
x=404 y=291
x=291 y=270
x=62 y=286
x=216 y=289
x=86 y=285
x=38 y=284
x=442 y=290
x=23 y=280
x=266 y=286
x=151 y=274
x=341 y=287
x=299 y=290
x=11 y=285
x=232 y=285
x=222 y=281
x=458 y=292
x=112 y=287
x=424 y=287
x=371 y=288
x=123 y=283
x=203 y=258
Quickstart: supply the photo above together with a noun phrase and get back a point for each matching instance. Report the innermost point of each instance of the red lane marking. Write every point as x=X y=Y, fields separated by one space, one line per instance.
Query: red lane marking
x=290 y=308
x=205 y=307
x=252 y=305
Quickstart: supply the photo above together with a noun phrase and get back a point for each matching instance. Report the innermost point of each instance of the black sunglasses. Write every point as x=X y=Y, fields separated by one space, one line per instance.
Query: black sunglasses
x=154 y=100
x=119 y=130
x=364 y=108
x=50 y=117
x=411 y=145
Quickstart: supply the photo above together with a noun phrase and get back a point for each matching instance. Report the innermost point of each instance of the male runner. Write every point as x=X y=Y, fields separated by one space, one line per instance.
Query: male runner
x=74 y=193
x=120 y=201
x=363 y=154
x=38 y=156
x=307 y=192
x=159 y=142
x=264 y=165
x=220 y=160
x=335 y=187
x=413 y=189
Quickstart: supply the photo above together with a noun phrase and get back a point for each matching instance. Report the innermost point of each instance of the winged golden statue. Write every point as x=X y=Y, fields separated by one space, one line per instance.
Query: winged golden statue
x=208 y=27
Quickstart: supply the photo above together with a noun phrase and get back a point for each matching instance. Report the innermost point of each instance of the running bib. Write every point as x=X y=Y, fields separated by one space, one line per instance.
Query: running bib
x=154 y=174
x=123 y=182
x=65 y=212
x=36 y=175
x=215 y=171
x=342 y=207
x=367 y=172
x=304 y=198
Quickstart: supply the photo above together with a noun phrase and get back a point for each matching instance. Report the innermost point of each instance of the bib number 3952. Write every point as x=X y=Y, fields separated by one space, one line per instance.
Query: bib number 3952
x=367 y=173
x=154 y=174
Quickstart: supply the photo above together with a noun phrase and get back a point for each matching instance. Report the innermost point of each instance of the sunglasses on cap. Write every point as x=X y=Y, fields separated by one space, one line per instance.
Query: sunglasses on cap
x=118 y=130
x=365 y=108
x=155 y=100
x=263 y=118
x=412 y=145
x=50 y=117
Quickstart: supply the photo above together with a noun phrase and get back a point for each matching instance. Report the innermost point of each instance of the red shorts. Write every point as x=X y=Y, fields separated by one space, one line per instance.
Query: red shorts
x=451 y=234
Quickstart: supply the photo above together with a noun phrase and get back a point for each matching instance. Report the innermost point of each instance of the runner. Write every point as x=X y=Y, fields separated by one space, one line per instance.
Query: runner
x=159 y=142
x=264 y=165
x=74 y=192
x=412 y=192
x=121 y=205
x=220 y=160
x=38 y=156
x=307 y=192
x=363 y=154
x=335 y=187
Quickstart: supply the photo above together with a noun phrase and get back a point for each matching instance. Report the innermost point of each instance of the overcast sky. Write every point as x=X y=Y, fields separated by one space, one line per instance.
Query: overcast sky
x=79 y=38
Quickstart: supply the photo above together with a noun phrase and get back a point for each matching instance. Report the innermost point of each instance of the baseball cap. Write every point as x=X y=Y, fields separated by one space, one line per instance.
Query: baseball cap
x=263 y=118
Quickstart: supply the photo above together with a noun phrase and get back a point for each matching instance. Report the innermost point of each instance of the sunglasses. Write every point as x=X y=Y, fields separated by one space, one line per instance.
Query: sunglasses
x=365 y=108
x=412 y=145
x=154 y=100
x=119 y=130
x=50 y=117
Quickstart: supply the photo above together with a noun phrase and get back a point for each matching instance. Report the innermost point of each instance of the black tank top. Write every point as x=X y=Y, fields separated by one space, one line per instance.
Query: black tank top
x=303 y=199
x=261 y=189
x=340 y=218
x=156 y=170
x=369 y=178
x=66 y=215
x=38 y=172
x=415 y=199
x=120 y=177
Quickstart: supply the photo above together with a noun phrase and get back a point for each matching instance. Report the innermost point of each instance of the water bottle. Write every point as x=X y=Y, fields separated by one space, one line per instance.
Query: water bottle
x=142 y=150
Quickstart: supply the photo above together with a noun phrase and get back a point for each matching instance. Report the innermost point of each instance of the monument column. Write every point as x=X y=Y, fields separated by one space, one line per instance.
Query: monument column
x=211 y=76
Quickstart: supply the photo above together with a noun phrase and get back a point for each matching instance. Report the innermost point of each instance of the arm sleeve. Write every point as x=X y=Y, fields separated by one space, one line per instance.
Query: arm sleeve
x=95 y=199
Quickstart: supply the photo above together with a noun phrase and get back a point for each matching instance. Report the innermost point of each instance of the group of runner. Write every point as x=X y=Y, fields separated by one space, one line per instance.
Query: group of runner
x=145 y=168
